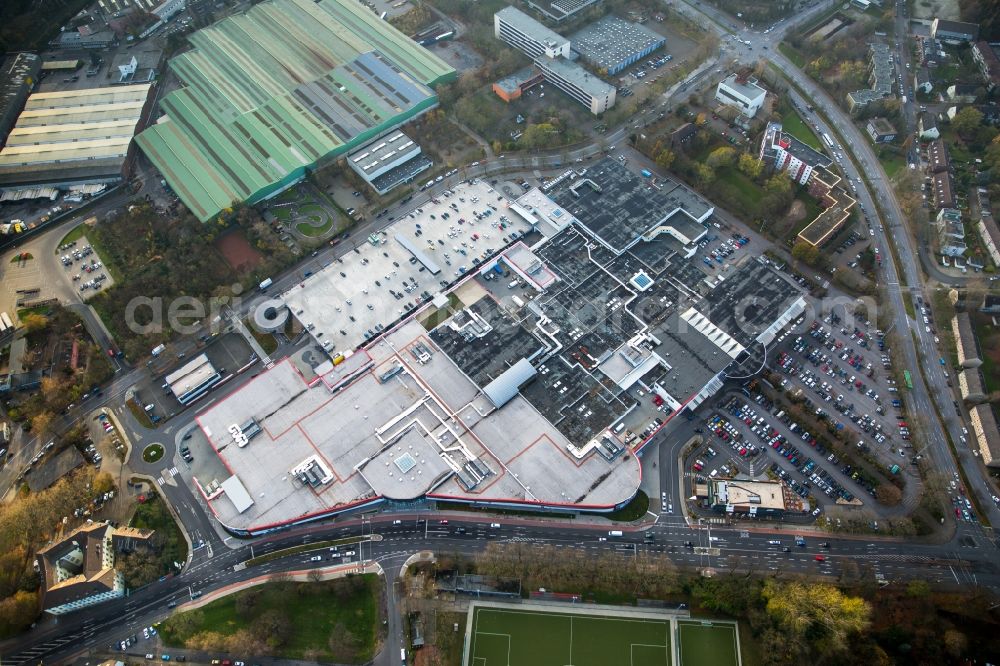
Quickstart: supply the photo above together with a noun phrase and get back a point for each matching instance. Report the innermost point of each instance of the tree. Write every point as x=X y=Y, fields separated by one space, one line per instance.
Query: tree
x=805 y=252
x=539 y=136
x=918 y=588
x=888 y=494
x=35 y=322
x=138 y=567
x=721 y=157
x=41 y=422
x=273 y=627
x=779 y=183
x=665 y=158
x=817 y=614
x=704 y=173
x=103 y=482
x=955 y=642
x=17 y=612
x=750 y=166
x=967 y=120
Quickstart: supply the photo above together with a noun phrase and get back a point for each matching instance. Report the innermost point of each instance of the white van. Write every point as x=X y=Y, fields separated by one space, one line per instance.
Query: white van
x=615 y=533
x=619 y=428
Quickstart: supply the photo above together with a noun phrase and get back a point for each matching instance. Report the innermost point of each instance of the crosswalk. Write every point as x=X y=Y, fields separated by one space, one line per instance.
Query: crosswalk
x=172 y=472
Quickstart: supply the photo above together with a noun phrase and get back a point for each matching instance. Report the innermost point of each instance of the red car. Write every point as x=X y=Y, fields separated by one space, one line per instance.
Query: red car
x=820 y=558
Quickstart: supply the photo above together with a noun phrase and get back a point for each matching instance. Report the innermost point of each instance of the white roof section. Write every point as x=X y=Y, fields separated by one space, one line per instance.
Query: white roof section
x=381 y=152
x=502 y=389
x=746 y=88
x=237 y=493
x=537 y=208
x=425 y=430
x=704 y=325
x=190 y=376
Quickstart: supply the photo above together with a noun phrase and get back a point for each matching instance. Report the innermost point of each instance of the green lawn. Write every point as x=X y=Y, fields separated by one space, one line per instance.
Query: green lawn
x=707 y=643
x=504 y=637
x=989 y=342
x=797 y=59
x=282 y=214
x=328 y=621
x=139 y=413
x=75 y=234
x=745 y=190
x=307 y=228
x=892 y=163
x=794 y=125
x=265 y=340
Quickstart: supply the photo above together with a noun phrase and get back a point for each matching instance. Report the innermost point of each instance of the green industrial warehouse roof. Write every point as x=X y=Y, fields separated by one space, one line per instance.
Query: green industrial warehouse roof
x=270 y=92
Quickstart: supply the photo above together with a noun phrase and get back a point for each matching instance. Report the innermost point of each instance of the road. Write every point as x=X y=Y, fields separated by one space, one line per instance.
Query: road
x=106 y=624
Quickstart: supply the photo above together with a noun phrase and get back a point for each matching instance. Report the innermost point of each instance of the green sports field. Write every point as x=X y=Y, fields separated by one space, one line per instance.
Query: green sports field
x=704 y=643
x=515 y=637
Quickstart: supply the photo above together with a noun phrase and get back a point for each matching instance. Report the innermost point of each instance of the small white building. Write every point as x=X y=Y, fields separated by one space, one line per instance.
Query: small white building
x=741 y=92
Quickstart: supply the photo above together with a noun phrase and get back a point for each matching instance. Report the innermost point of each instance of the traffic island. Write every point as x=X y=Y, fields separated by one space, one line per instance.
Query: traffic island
x=139 y=413
x=152 y=453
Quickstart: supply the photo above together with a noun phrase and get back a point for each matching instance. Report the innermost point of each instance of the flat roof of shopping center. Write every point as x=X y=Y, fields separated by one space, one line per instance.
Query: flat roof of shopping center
x=387 y=438
x=505 y=389
x=321 y=300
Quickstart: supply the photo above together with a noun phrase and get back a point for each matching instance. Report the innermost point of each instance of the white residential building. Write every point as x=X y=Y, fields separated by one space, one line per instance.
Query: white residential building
x=742 y=93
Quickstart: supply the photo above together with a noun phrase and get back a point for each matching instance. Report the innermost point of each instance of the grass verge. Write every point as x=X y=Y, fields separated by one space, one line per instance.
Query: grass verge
x=267 y=341
x=328 y=621
x=797 y=59
x=76 y=233
x=139 y=413
x=794 y=125
x=632 y=511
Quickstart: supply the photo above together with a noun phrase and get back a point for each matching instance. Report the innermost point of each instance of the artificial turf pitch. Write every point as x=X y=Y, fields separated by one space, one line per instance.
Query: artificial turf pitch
x=514 y=637
x=703 y=643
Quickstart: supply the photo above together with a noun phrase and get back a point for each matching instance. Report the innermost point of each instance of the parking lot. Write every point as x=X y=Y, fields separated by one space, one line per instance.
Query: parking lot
x=842 y=370
x=84 y=268
x=392 y=272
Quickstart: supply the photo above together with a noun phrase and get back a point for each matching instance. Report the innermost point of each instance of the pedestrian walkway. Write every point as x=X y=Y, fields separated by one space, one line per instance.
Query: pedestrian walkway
x=237 y=322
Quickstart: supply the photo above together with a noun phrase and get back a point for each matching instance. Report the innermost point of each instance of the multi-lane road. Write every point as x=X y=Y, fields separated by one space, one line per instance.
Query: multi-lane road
x=720 y=548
